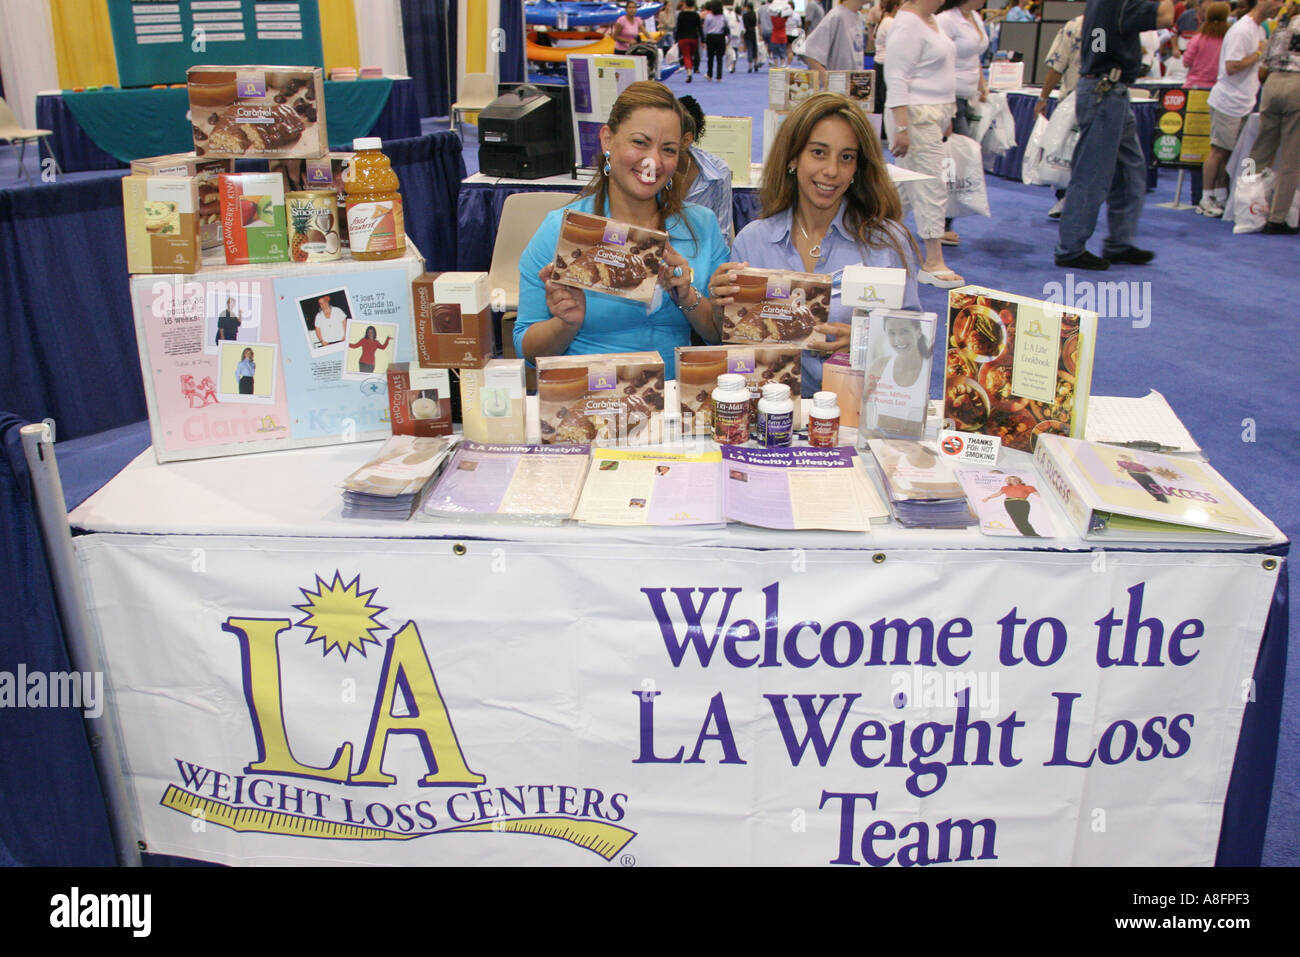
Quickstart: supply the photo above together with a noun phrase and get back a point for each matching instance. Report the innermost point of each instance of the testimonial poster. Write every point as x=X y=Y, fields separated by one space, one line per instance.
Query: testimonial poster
x=383 y=701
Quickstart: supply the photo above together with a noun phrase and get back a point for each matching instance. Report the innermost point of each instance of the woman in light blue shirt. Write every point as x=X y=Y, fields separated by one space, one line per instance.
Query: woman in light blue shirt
x=245 y=372
x=641 y=145
x=828 y=202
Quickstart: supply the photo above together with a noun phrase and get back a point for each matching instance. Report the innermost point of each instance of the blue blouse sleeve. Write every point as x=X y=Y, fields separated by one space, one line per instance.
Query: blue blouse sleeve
x=532 y=292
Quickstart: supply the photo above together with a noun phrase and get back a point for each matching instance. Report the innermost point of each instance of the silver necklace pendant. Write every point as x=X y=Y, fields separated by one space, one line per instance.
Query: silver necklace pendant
x=816 y=251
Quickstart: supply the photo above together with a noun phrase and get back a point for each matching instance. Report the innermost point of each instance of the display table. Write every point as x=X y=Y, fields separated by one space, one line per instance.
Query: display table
x=665 y=696
x=104 y=129
x=1022 y=102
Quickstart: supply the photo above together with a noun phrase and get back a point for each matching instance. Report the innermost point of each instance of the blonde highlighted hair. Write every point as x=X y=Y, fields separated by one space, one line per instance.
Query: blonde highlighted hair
x=645 y=94
x=871 y=203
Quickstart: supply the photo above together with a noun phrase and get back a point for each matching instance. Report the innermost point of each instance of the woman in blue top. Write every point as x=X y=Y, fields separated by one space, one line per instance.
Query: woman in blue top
x=828 y=202
x=245 y=372
x=641 y=144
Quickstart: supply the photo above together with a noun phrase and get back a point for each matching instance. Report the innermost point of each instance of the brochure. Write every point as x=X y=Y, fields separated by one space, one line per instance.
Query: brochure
x=1007 y=502
x=392 y=484
x=1016 y=368
x=1121 y=494
x=922 y=491
x=518 y=483
x=625 y=487
x=800 y=488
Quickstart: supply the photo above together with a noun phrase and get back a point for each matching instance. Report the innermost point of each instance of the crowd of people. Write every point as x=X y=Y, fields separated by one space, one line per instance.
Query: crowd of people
x=827 y=198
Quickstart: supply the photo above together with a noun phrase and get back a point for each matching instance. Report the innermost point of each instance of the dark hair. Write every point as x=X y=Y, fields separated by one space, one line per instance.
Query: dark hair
x=643 y=94
x=871 y=201
x=371 y=333
x=695 y=115
x=923 y=345
x=714 y=7
x=949 y=5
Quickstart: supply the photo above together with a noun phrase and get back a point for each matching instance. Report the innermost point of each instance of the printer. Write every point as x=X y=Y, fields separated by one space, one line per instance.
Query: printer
x=526 y=133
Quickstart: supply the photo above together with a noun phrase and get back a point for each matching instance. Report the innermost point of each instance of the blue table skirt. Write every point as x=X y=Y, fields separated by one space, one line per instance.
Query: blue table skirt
x=1010 y=163
x=479 y=212
x=106 y=129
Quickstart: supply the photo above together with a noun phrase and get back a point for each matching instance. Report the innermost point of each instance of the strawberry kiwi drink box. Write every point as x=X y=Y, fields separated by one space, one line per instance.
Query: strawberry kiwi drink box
x=253 y=224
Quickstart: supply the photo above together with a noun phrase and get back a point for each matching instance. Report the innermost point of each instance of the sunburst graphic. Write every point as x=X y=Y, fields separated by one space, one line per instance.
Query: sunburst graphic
x=340 y=615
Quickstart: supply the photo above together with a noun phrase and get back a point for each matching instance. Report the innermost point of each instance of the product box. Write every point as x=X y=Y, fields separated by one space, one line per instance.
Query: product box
x=257 y=111
x=327 y=172
x=453 y=320
x=607 y=256
x=873 y=287
x=857 y=85
x=419 y=400
x=776 y=305
x=787 y=88
x=161 y=218
x=698 y=368
x=253 y=224
x=616 y=398
x=205 y=171
x=492 y=402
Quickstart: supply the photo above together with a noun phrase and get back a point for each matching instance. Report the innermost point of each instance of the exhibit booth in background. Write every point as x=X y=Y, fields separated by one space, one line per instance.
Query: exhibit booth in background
x=64 y=44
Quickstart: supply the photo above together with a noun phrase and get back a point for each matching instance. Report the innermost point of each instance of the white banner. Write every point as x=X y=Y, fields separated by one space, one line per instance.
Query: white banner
x=385 y=701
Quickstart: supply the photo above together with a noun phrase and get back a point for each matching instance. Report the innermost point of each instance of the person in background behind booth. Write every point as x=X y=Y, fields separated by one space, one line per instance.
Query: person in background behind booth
x=1108 y=164
x=919 y=107
x=627 y=29
x=1232 y=98
x=689 y=33
x=765 y=29
x=749 y=20
x=828 y=202
x=715 y=37
x=813 y=14
x=369 y=345
x=961 y=22
x=1202 y=54
x=707 y=178
x=1278 y=145
x=245 y=372
x=637 y=182
x=778 y=48
x=735 y=33
x=884 y=12
x=1062 y=73
x=838 y=43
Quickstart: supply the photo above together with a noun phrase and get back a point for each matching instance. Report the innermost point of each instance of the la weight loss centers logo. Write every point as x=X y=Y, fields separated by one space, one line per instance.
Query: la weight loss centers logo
x=277 y=794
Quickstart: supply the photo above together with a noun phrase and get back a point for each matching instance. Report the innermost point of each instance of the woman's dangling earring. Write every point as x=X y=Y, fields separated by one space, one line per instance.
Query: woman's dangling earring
x=669 y=186
x=606 y=169
x=790 y=169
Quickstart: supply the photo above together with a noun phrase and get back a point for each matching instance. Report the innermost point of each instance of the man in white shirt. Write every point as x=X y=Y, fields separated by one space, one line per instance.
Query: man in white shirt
x=330 y=322
x=839 y=41
x=1232 y=100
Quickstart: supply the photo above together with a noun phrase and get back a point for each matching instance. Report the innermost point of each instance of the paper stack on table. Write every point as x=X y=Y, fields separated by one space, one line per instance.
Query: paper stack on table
x=393 y=483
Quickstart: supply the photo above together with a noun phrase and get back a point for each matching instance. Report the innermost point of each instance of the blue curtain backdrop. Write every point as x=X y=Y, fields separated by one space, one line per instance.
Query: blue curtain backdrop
x=512 y=61
x=429 y=35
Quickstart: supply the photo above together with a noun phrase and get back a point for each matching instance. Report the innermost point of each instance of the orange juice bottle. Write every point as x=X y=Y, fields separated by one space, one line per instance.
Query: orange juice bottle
x=374 y=204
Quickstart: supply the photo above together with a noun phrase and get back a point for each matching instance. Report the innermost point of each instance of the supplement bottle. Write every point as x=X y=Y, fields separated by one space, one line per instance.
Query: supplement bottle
x=375 y=226
x=775 y=416
x=731 y=410
x=824 y=421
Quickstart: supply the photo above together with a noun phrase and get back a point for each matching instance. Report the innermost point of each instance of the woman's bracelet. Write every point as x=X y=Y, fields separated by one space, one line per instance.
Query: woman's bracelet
x=693 y=304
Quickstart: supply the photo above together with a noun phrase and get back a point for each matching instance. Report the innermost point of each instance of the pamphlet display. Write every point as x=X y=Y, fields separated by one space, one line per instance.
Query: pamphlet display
x=246 y=359
x=392 y=484
x=920 y=485
x=1118 y=494
x=800 y=488
x=730 y=139
x=528 y=484
x=625 y=487
x=595 y=81
x=1016 y=368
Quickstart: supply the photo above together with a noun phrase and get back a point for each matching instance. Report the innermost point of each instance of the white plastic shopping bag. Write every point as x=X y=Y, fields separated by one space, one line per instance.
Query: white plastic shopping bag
x=1252 y=198
x=963 y=173
x=1058 y=145
x=1033 y=160
x=1001 y=133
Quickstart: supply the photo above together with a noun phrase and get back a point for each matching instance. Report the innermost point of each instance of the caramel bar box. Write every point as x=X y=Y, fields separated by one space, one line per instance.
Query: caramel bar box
x=788 y=87
x=263 y=112
x=776 y=305
x=607 y=256
x=453 y=320
x=698 y=368
x=859 y=85
x=205 y=171
x=161 y=218
x=613 y=399
x=419 y=400
x=253 y=224
x=327 y=172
